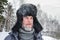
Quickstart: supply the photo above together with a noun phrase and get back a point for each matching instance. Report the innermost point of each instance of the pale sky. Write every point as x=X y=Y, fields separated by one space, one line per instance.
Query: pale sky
x=51 y=7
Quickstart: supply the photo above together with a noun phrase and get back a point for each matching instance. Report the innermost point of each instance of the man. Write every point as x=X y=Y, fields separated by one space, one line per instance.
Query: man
x=27 y=26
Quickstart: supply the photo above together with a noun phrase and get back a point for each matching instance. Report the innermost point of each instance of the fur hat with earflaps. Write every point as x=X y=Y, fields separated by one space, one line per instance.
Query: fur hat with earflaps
x=27 y=10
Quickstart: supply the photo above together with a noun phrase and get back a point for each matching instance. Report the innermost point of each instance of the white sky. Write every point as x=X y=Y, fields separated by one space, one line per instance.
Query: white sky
x=51 y=7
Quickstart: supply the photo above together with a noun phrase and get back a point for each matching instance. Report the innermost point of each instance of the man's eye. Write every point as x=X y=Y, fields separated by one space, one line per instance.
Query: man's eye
x=26 y=17
x=31 y=17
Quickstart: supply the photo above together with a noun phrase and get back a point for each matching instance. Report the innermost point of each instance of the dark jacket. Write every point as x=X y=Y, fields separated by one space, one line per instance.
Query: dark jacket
x=14 y=36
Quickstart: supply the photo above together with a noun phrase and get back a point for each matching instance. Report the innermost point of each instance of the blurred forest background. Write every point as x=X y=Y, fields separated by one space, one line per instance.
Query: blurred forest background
x=51 y=26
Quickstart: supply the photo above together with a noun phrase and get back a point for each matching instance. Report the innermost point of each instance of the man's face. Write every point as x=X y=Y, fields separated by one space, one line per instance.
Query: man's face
x=27 y=22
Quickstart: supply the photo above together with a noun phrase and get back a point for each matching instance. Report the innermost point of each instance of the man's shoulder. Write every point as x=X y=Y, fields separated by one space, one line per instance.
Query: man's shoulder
x=39 y=34
x=8 y=37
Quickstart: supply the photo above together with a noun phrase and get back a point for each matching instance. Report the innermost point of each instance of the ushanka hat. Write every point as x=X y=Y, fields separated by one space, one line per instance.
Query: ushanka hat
x=27 y=10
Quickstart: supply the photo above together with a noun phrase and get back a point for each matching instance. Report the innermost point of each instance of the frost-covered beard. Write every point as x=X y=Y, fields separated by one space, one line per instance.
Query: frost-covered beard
x=26 y=28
